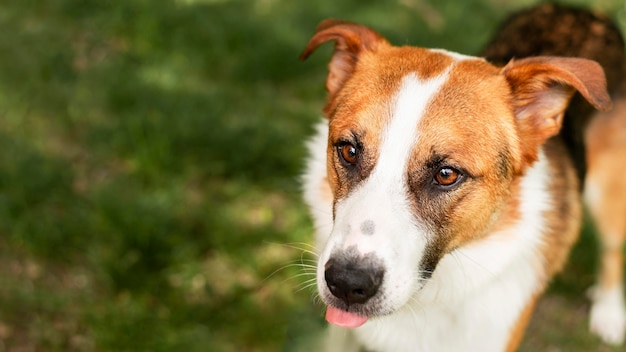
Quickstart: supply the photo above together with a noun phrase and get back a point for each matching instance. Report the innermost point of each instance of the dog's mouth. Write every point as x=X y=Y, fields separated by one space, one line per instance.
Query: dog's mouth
x=343 y=318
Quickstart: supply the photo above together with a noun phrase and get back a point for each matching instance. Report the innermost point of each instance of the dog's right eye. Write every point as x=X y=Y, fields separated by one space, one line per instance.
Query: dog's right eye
x=348 y=153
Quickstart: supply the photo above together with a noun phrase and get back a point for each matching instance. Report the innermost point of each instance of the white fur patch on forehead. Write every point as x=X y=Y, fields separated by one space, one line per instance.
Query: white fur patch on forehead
x=401 y=132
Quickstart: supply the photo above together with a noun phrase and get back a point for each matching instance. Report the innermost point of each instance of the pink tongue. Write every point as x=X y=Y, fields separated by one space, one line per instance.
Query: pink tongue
x=343 y=318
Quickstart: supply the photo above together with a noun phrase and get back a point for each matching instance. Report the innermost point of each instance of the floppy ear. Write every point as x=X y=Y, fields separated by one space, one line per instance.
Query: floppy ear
x=351 y=40
x=542 y=88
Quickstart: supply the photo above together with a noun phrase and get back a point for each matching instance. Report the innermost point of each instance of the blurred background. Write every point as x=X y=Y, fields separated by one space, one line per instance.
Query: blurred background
x=149 y=160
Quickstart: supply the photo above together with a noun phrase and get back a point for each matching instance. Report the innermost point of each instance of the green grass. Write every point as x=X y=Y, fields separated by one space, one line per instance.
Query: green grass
x=149 y=162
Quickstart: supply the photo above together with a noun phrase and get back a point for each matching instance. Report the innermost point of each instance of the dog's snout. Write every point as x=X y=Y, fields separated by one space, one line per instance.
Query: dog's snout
x=353 y=281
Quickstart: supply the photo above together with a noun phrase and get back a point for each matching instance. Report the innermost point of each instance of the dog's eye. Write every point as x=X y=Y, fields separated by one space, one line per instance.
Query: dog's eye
x=447 y=176
x=348 y=153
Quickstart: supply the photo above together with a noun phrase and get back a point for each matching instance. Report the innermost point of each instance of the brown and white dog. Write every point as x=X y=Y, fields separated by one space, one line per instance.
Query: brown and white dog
x=445 y=189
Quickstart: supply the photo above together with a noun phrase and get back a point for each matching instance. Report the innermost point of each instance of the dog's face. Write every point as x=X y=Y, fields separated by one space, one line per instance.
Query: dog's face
x=423 y=149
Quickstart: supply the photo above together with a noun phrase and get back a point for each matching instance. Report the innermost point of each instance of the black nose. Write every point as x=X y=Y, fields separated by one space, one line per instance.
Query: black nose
x=353 y=281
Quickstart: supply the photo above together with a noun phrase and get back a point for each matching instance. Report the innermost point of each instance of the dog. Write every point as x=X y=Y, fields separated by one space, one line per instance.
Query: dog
x=446 y=190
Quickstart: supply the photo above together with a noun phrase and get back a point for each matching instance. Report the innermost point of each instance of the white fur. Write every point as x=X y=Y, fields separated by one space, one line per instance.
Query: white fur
x=608 y=314
x=456 y=56
x=314 y=181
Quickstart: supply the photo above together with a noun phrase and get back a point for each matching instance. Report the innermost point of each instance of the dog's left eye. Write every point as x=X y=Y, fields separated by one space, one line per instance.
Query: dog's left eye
x=447 y=176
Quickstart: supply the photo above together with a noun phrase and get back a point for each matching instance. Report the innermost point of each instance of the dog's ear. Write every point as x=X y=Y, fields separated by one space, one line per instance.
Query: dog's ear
x=351 y=40
x=542 y=88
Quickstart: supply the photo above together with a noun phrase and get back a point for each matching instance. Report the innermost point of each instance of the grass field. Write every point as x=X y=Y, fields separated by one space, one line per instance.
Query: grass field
x=149 y=161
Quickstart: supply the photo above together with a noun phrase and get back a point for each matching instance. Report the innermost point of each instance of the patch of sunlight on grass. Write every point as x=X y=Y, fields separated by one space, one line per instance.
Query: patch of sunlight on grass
x=173 y=75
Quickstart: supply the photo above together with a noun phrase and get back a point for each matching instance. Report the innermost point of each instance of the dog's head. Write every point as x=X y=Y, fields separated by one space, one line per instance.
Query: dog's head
x=423 y=146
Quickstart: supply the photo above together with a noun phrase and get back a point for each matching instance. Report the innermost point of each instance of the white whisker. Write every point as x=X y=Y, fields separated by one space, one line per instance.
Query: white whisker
x=308 y=284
